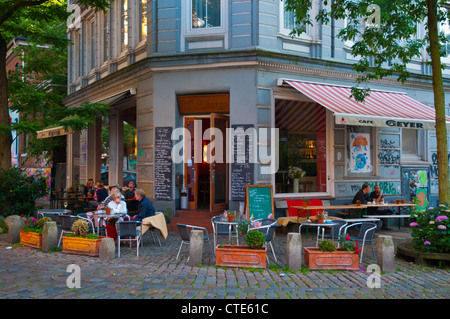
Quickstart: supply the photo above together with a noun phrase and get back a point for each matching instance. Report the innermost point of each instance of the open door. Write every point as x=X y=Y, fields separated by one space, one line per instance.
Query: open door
x=190 y=165
x=218 y=164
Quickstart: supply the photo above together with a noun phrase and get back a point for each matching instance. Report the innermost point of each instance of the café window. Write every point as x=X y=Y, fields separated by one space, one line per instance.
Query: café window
x=206 y=14
x=302 y=147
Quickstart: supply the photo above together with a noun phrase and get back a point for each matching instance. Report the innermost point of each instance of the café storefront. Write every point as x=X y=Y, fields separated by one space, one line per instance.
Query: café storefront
x=340 y=144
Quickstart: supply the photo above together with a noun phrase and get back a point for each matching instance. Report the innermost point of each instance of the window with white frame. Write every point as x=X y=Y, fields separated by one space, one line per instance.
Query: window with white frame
x=287 y=23
x=206 y=14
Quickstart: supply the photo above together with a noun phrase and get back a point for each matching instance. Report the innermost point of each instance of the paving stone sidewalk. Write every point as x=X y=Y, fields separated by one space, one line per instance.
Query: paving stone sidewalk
x=27 y=273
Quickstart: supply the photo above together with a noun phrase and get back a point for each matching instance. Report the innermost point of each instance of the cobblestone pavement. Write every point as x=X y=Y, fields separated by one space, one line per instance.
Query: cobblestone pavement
x=27 y=273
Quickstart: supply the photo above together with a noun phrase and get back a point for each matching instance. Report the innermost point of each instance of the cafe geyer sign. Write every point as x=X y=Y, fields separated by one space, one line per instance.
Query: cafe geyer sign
x=383 y=122
x=53 y=132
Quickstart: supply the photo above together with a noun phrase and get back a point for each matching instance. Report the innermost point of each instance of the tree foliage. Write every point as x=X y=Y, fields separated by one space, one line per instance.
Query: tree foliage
x=36 y=90
x=386 y=38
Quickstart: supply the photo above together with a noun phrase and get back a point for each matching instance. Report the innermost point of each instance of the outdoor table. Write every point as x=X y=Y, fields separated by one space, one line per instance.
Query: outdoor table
x=320 y=226
x=230 y=227
x=371 y=218
x=101 y=214
x=54 y=213
x=399 y=205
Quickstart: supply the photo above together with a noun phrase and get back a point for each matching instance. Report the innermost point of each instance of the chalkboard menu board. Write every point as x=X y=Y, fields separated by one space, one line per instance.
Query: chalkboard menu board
x=259 y=201
x=242 y=174
x=163 y=163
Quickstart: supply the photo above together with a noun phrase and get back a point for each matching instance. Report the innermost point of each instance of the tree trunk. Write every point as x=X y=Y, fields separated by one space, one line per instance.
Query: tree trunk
x=5 y=139
x=439 y=103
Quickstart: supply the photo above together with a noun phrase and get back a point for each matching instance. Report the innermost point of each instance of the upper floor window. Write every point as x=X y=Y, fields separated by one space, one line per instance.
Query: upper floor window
x=124 y=24
x=143 y=20
x=206 y=14
x=287 y=23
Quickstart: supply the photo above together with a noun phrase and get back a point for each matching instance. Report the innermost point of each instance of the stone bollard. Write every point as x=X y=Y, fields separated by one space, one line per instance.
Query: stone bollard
x=385 y=253
x=107 y=249
x=49 y=236
x=14 y=224
x=294 y=251
x=196 y=247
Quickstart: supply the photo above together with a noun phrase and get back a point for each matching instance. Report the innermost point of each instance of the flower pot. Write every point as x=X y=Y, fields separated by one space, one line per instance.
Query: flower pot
x=31 y=239
x=231 y=218
x=339 y=259
x=240 y=256
x=81 y=246
x=320 y=220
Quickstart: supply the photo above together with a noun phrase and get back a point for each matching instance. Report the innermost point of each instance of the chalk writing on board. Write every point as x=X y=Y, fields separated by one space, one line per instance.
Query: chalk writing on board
x=259 y=200
x=163 y=163
x=242 y=171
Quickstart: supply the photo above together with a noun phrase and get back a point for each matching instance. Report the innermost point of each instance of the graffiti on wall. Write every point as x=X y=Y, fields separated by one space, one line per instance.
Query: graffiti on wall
x=434 y=167
x=348 y=189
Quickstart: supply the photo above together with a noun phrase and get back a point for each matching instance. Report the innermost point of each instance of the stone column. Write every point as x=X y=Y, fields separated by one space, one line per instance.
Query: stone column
x=294 y=251
x=385 y=253
x=196 y=248
x=14 y=224
x=49 y=236
x=107 y=249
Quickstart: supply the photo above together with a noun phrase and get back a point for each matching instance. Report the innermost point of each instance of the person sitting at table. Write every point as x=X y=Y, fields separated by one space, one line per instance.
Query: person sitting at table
x=145 y=208
x=130 y=196
x=377 y=197
x=116 y=205
x=88 y=190
x=116 y=189
x=362 y=195
x=100 y=195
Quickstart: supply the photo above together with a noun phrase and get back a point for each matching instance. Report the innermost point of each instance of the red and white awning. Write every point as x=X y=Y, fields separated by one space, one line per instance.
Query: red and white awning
x=382 y=109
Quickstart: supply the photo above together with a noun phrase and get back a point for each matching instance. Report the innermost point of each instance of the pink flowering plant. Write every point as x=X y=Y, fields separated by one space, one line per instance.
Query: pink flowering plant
x=431 y=229
x=35 y=226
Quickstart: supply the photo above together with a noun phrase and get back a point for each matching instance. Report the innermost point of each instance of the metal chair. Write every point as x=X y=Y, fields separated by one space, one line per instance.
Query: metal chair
x=366 y=234
x=221 y=229
x=66 y=225
x=185 y=233
x=336 y=230
x=269 y=231
x=128 y=229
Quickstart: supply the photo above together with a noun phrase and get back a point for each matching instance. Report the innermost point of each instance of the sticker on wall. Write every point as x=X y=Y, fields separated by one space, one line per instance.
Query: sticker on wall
x=360 y=153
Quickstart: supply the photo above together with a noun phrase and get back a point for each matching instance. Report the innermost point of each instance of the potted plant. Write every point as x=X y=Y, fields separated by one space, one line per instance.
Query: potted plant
x=231 y=214
x=167 y=212
x=328 y=256
x=296 y=173
x=243 y=226
x=320 y=218
x=31 y=234
x=80 y=242
x=254 y=254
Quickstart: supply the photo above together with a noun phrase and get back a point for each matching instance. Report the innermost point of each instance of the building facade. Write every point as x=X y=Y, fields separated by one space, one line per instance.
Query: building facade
x=199 y=65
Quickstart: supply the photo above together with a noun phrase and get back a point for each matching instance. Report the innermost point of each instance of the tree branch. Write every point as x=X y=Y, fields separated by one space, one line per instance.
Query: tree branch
x=19 y=5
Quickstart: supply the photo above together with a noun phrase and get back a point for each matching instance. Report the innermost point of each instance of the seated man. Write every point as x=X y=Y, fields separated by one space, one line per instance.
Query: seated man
x=145 y=208
x=377 y=197
x=362 y=195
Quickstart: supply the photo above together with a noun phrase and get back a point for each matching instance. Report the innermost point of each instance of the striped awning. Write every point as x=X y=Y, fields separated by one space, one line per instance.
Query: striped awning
x=381 y=108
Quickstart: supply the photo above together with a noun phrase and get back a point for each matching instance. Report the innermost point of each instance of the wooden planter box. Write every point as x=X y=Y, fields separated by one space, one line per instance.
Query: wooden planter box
x=240 y=256
x=31 y=239
x=339 y=259
x=81 y=246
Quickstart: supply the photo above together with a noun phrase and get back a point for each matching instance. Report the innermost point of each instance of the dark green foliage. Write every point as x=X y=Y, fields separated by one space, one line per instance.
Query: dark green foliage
x=327 y=245
x=255 y=239
x=19 y=192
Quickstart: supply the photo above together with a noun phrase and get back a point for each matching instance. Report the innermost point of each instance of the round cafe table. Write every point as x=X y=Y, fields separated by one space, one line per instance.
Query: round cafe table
x=101 y=215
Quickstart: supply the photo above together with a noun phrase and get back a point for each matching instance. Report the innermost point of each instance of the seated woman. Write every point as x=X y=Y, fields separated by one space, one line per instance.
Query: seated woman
x=114 y=190
x=117 y=205
x=100 y=195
